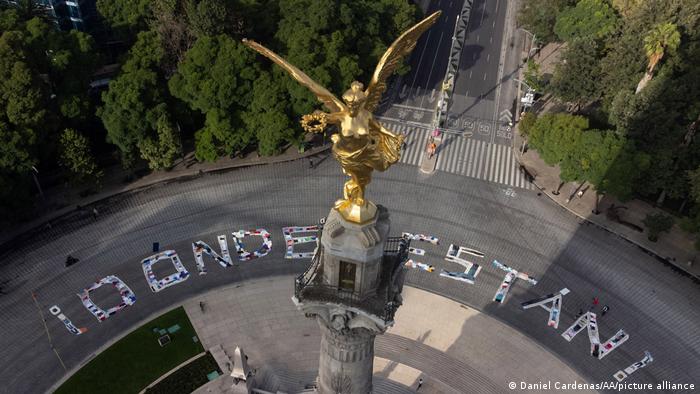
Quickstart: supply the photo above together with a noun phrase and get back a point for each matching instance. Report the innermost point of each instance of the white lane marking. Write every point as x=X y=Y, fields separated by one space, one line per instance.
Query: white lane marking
x=495 y=177
x=419 y=145
x=469 y=163
x=485 y=74
x=432 y=67
x=470 y=74
x=503 y=171
x=463 y=145
x=457 y=155
x=480 y=160
x=420 y=60
x=488 y=57
x=483 y=11
x=511 y=167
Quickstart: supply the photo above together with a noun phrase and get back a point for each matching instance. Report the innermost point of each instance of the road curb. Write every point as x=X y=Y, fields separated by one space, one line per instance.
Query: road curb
x=651 y=252
x=66 y=211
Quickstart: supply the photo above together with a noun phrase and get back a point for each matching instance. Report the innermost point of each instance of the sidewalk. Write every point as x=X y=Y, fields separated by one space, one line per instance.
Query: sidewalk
x=432 y=337
x=675 y=247
x=60 y=202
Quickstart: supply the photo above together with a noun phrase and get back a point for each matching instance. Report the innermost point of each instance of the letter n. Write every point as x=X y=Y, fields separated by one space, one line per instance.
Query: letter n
x=588 y=320
x=200 y=248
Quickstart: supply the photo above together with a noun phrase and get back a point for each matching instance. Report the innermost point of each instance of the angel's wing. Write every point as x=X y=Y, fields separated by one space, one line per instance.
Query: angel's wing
x=327 y=98
x=392 y=58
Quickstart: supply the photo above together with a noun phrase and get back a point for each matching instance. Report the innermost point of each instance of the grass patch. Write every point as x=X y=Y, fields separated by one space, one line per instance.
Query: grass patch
x=136 y=360
x=188 y=378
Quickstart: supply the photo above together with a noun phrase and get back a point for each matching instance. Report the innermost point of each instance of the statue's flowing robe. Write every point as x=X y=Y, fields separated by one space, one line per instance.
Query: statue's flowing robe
x=376 y=151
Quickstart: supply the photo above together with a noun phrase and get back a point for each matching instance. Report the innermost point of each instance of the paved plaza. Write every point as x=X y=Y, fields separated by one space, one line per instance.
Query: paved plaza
x=656 y=307
x=468 y=349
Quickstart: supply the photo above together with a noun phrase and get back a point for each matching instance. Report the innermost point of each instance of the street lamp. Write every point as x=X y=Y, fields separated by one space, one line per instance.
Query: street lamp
x=35 y=172
x=532 y=42
x=530 y=89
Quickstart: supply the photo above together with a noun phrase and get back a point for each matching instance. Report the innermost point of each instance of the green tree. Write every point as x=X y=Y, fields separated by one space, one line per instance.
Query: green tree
x=694 y=179
x=576 y=78
x=136 y=99
x=526 y=123
x=540 y=16
x=217 y=73
x=337 y=42
x=216 y=78
x=533 y=77
x=591 y=19
x=18 y=148
x=208 y=17
x=220 y=136
x=657 y=223
x=555 y=136
x=663 y=39
x=267 y=116
x=620 y=178
x=626 y=7
x=161 y=152
x=23 y=103
x=126 y=17
x=76 y=156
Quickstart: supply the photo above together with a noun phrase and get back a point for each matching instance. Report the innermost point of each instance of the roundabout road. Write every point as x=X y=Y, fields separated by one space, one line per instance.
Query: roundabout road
x=657 y=308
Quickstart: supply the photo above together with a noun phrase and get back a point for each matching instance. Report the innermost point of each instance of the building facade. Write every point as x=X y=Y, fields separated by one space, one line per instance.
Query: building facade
x=67 y=14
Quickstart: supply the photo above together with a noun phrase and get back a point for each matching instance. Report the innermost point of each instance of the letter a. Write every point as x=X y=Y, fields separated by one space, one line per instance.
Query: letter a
x=554 y=310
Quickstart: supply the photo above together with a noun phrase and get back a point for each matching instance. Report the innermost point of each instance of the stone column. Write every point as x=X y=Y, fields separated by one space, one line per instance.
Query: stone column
x=347 y=297
x=347 y=359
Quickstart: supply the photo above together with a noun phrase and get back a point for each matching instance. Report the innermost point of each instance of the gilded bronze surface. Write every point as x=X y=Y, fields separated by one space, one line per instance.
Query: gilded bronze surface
x=362 y=145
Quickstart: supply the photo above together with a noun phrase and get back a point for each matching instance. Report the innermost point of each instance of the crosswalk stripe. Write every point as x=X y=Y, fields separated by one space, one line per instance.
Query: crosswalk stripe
x=481 y=160
x=510 y=167
x=449 y=151
x=468 y=153
x=454 y=155
x=418 y=145
x=501 y=163
x=470 y=157
x=478 y=159
x=506 y=165
x=462 y=154
x=495 y=163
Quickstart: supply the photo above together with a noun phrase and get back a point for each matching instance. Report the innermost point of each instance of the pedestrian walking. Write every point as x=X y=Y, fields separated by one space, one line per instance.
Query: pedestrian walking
x=431 y=150
x=420 y=384
x=595 y=301
x=604 y=310
x=94 y=213
x=580 y=312
x=311 y=163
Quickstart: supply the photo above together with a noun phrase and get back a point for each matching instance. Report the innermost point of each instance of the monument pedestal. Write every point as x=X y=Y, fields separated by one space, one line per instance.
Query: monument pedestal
x=353 y=290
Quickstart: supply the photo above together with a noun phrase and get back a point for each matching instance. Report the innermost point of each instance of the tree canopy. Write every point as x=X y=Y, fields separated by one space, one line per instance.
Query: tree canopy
x=540 y=17
x=590 y=19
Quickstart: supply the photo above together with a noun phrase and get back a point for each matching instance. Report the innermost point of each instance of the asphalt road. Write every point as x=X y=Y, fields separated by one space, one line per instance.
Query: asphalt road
x=656 y=307
x=430 y=57
x=478 y=66
x=483 y=99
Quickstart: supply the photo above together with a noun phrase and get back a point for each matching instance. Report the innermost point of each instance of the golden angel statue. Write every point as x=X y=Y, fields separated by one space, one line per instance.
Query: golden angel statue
x=363 y=145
